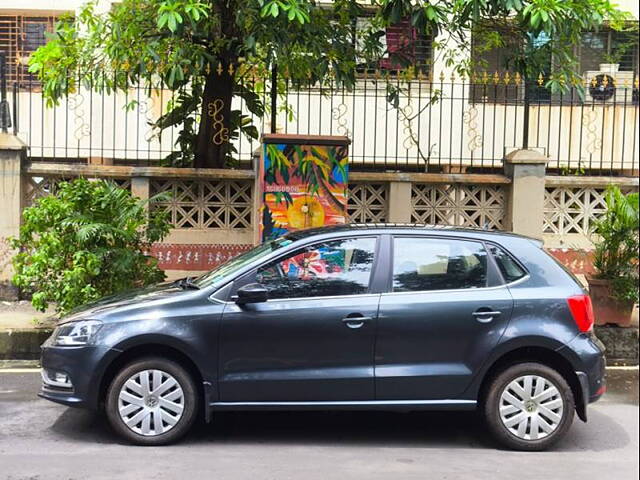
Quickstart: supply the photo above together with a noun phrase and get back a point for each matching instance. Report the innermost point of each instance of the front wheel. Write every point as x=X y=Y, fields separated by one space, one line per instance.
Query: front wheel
x=152 y=401
x=528 y=406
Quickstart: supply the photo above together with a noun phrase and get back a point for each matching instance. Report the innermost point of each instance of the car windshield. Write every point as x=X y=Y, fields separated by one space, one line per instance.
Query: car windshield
x=237 y=263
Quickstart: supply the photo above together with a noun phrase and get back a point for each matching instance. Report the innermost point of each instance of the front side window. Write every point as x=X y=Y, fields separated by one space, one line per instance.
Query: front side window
x=423 y=264
x=336 y=267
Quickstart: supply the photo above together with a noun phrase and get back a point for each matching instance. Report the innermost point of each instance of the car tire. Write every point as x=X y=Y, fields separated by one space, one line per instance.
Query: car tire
x=528 y=406
x=152 y=401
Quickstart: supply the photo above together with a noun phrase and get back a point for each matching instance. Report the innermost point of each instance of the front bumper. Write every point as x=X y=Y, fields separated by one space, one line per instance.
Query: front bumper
x=84 y=365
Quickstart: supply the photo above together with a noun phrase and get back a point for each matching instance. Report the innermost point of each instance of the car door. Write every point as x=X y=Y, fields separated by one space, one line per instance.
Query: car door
x=445 y=310
x=313 y=339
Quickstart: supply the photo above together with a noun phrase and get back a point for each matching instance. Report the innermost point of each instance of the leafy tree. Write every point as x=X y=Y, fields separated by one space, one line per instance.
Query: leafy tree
x=84 y=242
x=210 y=51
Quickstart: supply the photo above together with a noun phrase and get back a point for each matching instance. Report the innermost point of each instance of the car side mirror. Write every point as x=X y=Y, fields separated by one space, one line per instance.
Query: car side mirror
x=251 y=293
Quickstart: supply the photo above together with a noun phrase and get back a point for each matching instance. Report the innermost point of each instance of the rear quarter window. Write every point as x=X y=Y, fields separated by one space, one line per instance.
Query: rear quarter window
x=509 y=267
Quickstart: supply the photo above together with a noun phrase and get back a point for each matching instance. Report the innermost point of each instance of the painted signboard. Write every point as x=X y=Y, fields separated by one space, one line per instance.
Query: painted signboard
x=303 y=180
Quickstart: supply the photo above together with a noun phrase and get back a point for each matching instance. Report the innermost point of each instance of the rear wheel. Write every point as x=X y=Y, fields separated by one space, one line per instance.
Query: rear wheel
x=528 y=406
x=152 y=401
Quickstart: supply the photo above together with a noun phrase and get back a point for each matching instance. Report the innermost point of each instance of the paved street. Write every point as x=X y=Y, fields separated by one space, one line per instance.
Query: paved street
x=41 y=440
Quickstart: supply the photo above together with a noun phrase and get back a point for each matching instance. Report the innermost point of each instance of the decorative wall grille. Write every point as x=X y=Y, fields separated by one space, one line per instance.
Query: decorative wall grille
x=481 y=206
x=367 y=203
x=38 y=186
x=224 y=204
x=573 y=209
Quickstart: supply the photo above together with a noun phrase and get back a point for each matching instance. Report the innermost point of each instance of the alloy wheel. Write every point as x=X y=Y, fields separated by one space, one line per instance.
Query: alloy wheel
x=151 y=402
x=531 y=407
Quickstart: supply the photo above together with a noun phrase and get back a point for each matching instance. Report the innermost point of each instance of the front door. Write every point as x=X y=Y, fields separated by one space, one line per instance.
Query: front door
x=313 y=339
x=445 y=312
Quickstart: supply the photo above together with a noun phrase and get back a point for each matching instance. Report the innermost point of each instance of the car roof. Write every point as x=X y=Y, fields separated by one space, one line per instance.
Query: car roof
x=402 y=228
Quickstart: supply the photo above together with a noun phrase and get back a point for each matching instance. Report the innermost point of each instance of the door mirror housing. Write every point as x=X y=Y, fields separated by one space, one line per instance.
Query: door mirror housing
x=251 y=293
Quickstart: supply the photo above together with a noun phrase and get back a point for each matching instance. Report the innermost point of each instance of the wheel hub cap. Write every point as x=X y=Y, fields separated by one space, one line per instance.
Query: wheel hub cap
x=531 y=407
x=151 y=402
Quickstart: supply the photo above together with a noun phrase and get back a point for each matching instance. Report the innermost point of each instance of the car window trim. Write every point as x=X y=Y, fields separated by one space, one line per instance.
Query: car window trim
x=439 y=237
x=293 y=299
x=423 y=292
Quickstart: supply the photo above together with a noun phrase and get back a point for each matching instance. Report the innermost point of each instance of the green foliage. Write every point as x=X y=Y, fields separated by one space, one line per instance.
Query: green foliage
x=617 y=242
x=84 y=242
x=183 y=43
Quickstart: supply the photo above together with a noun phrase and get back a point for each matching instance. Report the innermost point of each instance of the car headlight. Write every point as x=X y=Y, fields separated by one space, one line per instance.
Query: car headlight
x=76 y=333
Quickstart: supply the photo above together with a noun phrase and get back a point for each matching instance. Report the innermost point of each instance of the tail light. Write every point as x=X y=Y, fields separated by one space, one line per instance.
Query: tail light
x=582 y=311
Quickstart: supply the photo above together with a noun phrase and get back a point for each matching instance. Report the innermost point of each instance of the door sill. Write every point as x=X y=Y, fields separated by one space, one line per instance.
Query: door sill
x=350 y=405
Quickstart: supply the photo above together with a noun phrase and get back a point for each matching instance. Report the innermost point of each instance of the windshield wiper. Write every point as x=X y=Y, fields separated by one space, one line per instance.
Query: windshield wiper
x=187 y=283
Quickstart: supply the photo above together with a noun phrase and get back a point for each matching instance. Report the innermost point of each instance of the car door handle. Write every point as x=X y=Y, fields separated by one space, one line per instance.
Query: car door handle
x=356 y=321
x=485 y=316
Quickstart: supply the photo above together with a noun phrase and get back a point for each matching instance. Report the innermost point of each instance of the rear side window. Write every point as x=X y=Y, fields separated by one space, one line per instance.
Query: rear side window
x=509 y=268
x=423 y=264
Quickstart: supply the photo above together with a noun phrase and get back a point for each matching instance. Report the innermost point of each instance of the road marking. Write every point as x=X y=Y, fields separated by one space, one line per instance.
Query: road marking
x=19 y=370
x=622 y=367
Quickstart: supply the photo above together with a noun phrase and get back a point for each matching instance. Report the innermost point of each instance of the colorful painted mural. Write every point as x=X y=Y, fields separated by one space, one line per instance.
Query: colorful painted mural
x=304 y=185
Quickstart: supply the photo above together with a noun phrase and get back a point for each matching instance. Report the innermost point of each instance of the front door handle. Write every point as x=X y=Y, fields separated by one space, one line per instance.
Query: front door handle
x=355 y=321
x=485 y=316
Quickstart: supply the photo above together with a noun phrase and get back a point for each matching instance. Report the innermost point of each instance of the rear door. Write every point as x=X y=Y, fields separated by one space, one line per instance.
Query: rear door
x=446 y=310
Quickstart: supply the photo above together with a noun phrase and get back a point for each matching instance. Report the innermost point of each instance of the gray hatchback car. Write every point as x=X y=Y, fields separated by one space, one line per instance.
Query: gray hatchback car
x=393 y=317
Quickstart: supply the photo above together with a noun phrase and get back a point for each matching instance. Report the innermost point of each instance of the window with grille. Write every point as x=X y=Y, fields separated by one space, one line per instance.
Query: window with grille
x=403 y=46
x=20 y=36
x=595 y=48
x=609 y=46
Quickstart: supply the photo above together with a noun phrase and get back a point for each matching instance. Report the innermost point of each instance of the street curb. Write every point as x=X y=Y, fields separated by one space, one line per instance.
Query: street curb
x=621 y=344
x=23 y=343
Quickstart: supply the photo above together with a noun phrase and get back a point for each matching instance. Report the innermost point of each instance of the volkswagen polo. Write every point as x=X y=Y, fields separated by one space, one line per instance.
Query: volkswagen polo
x=392 y=317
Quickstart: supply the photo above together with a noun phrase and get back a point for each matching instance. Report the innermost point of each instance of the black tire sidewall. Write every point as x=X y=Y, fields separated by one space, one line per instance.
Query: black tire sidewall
x=491 y=406
x=189 y=389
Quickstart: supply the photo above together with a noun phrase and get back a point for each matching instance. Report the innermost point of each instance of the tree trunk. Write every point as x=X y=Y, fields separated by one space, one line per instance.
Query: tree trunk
x=212 y=145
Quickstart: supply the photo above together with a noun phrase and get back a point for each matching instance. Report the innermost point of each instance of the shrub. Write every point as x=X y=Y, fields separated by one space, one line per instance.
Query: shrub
x=86 y=241
x=616 y=244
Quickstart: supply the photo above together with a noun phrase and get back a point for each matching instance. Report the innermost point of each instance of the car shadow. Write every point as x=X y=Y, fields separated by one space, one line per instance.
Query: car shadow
x=81 y=425
x=411 y=429
x=463 y=430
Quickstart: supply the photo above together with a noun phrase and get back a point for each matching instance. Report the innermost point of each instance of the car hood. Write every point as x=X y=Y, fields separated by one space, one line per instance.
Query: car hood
x=112 y=306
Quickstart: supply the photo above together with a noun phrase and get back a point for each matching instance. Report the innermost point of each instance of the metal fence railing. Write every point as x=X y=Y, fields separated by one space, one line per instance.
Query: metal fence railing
x=421 y=124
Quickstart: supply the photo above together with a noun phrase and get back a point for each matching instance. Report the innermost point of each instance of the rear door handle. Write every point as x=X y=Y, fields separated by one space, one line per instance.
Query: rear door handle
x=356 y=321
x=485 y=316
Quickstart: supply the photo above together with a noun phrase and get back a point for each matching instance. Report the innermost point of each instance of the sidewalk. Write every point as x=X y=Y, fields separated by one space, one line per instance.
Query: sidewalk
x=22 y=330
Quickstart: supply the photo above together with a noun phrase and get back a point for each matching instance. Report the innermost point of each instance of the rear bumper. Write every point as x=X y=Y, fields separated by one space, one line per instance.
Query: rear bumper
x=587 y=354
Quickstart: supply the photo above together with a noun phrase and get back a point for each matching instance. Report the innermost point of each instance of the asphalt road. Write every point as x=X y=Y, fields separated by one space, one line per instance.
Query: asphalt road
x=42 y=440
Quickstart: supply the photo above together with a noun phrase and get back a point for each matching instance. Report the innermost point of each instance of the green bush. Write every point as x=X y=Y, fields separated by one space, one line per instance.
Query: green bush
x=616 y=244
x=84 y=242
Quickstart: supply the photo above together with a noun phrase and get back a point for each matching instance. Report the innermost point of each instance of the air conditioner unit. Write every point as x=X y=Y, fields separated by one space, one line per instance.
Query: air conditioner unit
x=608 y=86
